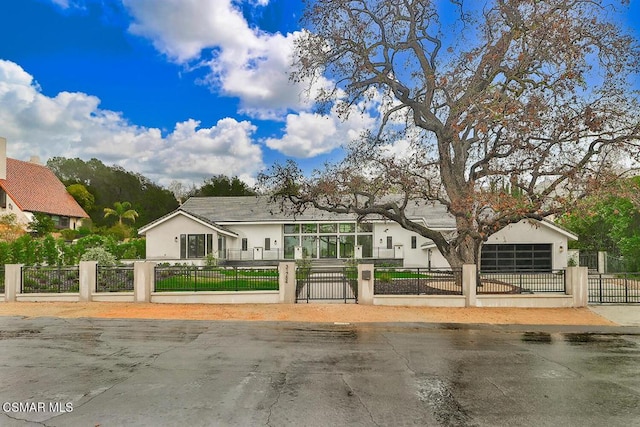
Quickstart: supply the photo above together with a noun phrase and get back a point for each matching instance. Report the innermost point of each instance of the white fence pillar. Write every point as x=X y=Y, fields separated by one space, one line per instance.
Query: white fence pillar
x=366 y=273
x=577 y=280
x=88 y=279
x=602 y=262
x=469 y=283
x=12 y=279
x=287 y=282
x=143 y=280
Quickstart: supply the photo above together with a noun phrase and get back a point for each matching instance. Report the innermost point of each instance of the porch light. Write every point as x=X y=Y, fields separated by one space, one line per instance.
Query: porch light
x=175 y=239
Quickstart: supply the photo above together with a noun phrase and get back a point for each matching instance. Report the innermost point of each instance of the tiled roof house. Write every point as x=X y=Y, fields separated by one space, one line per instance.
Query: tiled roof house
x=29 y=187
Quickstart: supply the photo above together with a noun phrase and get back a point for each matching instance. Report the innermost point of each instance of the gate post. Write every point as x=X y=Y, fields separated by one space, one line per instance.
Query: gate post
x=88 y=279
x=12 y=279
x=365 y=283
x=469 y=284
x=287 y=282
x=578 y=285
x=143 y=280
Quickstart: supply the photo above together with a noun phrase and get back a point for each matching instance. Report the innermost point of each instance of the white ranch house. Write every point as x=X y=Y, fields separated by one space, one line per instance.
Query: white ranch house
x=252 y=229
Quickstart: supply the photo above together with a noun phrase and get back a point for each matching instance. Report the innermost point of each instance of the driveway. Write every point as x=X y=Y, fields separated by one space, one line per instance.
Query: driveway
x=156 y=372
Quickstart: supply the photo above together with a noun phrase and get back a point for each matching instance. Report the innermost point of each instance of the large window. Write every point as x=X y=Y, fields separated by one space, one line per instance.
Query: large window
x=3 y=199
x=328 y=240
x=195 y=245
x=516 y=257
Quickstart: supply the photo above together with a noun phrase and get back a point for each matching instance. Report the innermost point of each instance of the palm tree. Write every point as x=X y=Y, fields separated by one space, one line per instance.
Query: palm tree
x=122 y=210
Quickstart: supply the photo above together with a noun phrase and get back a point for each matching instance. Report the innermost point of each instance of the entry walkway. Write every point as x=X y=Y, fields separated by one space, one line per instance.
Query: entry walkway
x=623 y=315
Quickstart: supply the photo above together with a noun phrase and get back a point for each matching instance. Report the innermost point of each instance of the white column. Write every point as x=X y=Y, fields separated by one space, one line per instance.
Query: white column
x=469 y=282
x=88 y=279
x=287 y=282
x=365 y=283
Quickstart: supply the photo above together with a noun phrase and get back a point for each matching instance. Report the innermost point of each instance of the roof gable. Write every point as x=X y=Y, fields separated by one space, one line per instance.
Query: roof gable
x=204 y=221
x=35 y=188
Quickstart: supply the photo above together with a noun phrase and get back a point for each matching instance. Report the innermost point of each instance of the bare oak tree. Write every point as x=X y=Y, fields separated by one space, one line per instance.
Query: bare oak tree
x=507 y=110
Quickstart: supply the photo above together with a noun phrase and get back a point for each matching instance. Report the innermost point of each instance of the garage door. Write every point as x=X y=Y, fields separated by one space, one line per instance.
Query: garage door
x=516 y=257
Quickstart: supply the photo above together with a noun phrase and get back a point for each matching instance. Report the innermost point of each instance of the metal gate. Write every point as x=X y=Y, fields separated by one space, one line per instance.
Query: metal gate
x=619 y=288
x=327 y=284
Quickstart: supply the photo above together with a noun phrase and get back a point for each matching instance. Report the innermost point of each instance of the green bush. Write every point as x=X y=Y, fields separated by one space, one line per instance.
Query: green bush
x=101 y=255
x=68 y=234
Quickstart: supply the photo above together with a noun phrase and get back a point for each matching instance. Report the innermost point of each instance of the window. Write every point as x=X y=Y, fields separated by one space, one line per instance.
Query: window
x=516 y=257
x=3 y=199
x=267 y=244
x=291 y=229
x=328 y=228
x=195 y=245
x=290 y=242
x=366 y=241
x=414 y=242
x=222 y=246
x=389 y=242
x=309 y=228
x=245 y=244
x=347 y=246
x=348 y=227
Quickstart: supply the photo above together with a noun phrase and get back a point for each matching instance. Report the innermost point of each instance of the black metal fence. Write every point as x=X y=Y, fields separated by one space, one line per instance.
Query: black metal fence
x=589 y=260
x=2 y=274
x=197 y=279
x=114 y=279
x=336 y=283
x=417 y=281
x=522 y=283
x=38 y=279
x=621 y=288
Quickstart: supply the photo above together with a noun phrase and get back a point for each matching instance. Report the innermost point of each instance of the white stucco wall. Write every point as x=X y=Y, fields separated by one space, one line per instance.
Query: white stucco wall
x=412 y=257
x=255 y=235
x=163 y=241
x=12 y=208
x=529 y=231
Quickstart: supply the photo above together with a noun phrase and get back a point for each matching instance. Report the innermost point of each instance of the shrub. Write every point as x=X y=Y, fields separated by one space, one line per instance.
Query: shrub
x=68 y=234
x=99 y=254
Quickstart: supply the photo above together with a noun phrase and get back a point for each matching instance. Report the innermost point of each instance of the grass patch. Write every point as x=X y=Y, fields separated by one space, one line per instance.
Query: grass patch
x=234 y=280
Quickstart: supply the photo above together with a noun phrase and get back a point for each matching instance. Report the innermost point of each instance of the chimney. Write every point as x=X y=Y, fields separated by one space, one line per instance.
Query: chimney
x=35 y=160
x=3 y=158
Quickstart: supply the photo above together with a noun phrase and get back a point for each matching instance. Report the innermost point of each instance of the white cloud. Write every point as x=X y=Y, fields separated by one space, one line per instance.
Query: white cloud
x=72 y=125
x=309 y=135
x=247 y=63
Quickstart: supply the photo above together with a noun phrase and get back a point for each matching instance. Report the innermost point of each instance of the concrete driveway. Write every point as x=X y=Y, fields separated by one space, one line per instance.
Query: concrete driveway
x=623 y=315
x=90 y=372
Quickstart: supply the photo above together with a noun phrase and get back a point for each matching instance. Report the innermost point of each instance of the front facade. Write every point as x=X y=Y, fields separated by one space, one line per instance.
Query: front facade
x=27 y=188
x=251 y=228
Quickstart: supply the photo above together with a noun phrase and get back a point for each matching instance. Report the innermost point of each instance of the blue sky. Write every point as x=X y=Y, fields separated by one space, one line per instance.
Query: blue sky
x=173 y=89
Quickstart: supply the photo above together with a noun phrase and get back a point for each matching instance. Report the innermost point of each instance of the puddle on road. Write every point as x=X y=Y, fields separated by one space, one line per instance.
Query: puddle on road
x=21 y=333
x=537 y=337
x=606 y=342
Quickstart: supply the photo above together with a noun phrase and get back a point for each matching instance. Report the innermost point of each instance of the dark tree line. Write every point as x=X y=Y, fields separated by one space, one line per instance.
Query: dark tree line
x=111 y=184
x=107 y=185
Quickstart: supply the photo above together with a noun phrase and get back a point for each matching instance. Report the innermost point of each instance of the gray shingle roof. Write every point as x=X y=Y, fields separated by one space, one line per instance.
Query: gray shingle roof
x=260 y=209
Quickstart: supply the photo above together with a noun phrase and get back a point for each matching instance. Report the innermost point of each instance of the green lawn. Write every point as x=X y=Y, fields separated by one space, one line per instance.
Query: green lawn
x=217 y=280
x=380 y=274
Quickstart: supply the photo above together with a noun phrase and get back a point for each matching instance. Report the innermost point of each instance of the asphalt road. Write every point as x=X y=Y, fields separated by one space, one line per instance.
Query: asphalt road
x=89 y=372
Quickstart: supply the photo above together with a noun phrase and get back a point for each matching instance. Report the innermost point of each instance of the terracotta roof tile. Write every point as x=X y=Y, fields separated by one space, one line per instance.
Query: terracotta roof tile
x=35 y=188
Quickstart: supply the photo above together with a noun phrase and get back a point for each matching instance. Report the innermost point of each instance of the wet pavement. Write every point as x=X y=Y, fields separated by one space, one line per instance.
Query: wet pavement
x=90 y=372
